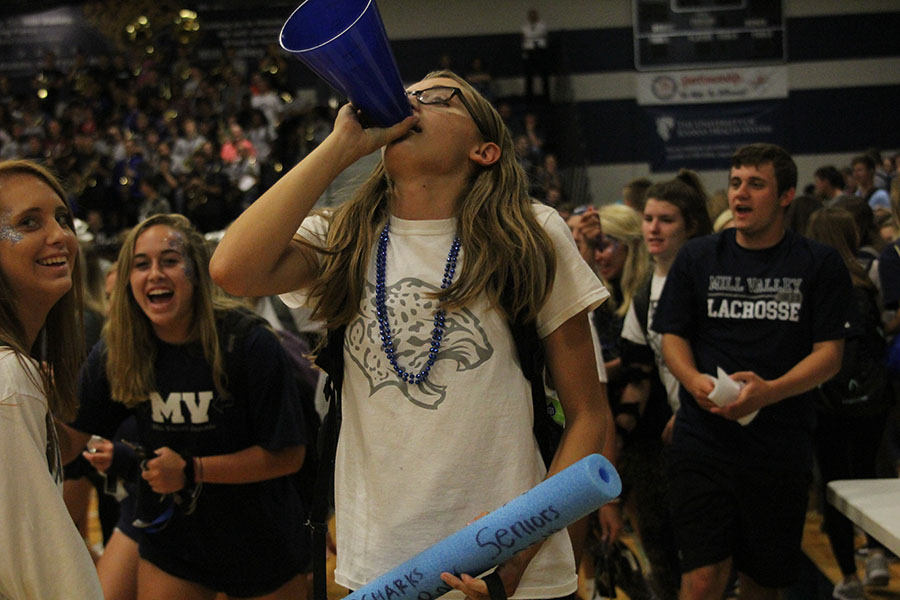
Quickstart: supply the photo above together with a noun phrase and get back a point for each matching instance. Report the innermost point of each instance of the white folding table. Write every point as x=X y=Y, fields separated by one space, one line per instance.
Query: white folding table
x=873 y=504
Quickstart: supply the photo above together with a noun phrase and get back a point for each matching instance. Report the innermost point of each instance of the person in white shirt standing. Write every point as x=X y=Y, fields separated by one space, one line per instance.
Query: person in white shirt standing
x=534 y=54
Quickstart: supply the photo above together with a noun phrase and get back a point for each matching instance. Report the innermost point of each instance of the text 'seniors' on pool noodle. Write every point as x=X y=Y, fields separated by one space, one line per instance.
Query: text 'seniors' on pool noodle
x=550 y=506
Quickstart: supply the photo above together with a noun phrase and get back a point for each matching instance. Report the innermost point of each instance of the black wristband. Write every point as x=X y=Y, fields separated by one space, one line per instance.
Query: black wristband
x=495 y=586
x=189 y=475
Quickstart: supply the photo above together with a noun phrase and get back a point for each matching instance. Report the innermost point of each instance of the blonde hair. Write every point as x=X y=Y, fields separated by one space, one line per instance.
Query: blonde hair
x=62 y=335
x=624 y=224
x=717 y=203
x=129 y=336
x=722 y=220
x=508 y=255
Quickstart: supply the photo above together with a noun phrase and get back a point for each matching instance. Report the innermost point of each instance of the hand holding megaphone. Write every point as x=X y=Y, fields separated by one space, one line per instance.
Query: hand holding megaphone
x=356 y=141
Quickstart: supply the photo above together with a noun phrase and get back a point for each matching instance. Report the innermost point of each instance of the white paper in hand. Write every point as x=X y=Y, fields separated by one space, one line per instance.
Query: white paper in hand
x=726 y=391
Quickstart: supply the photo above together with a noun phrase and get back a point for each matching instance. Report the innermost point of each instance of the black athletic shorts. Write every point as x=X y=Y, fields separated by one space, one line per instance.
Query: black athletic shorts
x=754 y=516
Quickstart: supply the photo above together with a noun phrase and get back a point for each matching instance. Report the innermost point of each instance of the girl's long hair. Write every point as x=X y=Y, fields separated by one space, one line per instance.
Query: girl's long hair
x=94 y=279
x=129 y=336
x=624 y=224
x=60 y=343
x=836 y=227
x=508 y=255
x=864 y=218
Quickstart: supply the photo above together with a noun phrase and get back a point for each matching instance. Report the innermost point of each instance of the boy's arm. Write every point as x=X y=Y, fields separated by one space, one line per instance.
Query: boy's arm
x=680 y=359
x=819 y=366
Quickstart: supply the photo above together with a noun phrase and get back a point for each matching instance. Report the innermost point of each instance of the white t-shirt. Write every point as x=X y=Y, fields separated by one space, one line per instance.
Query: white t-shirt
x=415 y=465
x=598 y=352
x=43 y=553
x=631 y=331
x=534 y=35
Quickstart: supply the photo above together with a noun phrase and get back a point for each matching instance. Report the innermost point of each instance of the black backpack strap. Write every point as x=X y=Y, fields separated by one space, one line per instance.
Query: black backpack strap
x=641 y=303
x=234 y=328
x=330 y=360
x=638 y=361
x=530 y=351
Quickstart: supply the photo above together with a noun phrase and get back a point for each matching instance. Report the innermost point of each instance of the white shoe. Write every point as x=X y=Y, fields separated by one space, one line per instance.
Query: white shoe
x=877 y=572
x=849 y=590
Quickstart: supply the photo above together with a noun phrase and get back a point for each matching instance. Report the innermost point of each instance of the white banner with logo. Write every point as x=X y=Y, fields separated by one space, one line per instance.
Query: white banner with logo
x=710 y=86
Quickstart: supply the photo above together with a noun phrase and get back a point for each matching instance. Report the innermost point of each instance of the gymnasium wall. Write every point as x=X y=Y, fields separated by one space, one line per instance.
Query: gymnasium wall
x=843 y=68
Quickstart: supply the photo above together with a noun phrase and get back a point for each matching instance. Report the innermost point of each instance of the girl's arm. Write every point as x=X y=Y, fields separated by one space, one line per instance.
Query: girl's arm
x=570 y=358
x=569 y=352
x=71 y=441
x=166 y=472
x=679 y=358
x=256 y=257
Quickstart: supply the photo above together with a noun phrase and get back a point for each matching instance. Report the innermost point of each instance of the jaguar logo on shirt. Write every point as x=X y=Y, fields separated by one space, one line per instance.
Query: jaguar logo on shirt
x=411 y=314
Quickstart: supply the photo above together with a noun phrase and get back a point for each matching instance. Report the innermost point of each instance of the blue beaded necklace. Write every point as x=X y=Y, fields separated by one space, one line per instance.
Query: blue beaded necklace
x=384 y=327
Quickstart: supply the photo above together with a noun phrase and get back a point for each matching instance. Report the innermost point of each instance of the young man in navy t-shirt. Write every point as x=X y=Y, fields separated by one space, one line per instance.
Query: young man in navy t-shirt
x=769 y=307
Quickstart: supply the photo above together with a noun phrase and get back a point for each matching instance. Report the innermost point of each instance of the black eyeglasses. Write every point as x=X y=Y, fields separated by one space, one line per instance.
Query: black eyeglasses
x=443 y=94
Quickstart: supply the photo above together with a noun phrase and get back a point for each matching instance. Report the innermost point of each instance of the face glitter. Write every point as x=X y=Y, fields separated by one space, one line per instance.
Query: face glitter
x=7 y=231
x=176 y=242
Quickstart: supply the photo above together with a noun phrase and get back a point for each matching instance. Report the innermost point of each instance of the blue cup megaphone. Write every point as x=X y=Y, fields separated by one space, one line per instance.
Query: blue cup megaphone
x=344 y=43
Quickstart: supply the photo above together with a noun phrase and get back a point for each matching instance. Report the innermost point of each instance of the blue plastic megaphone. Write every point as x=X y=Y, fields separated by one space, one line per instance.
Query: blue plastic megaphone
x=344 y=43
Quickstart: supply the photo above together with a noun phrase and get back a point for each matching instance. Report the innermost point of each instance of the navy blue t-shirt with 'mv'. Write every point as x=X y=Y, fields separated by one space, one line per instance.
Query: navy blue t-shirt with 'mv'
x=760 y=311
x=250 y=534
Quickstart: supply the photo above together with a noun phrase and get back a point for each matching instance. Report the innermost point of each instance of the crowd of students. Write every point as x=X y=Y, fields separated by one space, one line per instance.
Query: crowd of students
x=140 y=134
x=636 y=317
x=742 y=305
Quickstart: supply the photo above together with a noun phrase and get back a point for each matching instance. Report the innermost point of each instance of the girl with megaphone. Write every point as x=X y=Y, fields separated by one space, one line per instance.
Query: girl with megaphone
x=426 y=266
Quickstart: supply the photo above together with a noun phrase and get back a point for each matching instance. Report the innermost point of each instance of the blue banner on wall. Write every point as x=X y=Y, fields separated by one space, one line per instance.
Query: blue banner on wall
x=705 y=136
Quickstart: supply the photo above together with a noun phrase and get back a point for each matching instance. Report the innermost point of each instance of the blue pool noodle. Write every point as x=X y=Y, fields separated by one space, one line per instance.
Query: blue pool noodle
x=541 y=511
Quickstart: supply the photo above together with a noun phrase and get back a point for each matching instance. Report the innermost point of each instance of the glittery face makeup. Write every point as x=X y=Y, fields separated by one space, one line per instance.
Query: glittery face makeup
x=161 y=283
x=7 y=231
x=177 y=243
x=38 y=248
